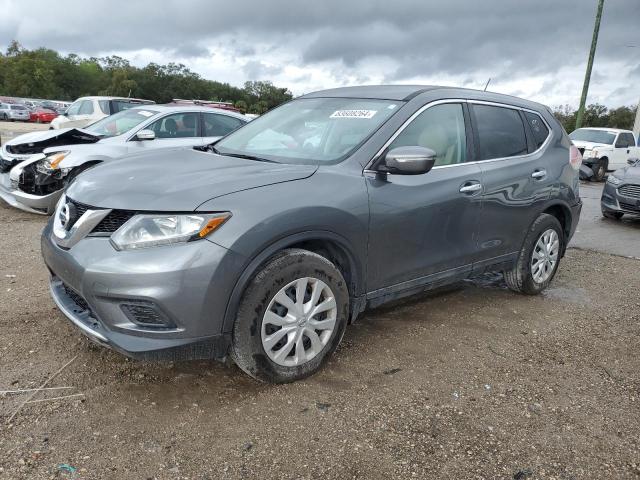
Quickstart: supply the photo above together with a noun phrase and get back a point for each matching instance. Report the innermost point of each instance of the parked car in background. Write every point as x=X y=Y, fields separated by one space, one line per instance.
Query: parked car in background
x=14 y=112
x=266 y=247
x=605 y=149
x=35 y=167
x=87 y=110
x=621 y=194
x=42 y=115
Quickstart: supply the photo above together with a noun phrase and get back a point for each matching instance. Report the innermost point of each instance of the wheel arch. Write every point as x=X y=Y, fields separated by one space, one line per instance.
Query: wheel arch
x=326 y=243
x=563 y=213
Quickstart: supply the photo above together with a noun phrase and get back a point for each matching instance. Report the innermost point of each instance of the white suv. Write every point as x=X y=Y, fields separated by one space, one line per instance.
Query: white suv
x=86 y=110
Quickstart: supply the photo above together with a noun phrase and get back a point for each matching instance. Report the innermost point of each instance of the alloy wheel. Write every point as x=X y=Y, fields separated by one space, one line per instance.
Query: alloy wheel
x=545 y=256
x=299 y=322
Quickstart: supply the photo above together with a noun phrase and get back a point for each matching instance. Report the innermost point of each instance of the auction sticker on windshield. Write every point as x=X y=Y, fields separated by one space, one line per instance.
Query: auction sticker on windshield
x=145 y=113
x=353 y=114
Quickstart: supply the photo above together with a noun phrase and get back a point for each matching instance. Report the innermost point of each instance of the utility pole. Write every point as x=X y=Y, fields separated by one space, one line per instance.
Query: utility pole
x=587 y=76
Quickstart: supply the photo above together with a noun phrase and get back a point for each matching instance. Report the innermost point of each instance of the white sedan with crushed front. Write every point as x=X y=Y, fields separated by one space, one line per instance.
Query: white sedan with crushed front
x=36 y=167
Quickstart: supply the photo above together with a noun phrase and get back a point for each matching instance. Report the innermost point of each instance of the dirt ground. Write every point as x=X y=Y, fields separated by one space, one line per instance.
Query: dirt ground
x=475 y=382
x=9 y=130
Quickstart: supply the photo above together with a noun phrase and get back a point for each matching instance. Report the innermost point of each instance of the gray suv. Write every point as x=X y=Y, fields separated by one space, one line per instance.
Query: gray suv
x=266 y=244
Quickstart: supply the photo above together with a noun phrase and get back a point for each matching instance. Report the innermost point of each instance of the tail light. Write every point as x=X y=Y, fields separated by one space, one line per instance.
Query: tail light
x=575 y=158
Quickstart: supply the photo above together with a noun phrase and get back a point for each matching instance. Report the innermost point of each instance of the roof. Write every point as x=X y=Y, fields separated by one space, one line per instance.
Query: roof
x=617 y=130
x=189 y=108
x=381 y=92
x=407 y=92
x=98 y=97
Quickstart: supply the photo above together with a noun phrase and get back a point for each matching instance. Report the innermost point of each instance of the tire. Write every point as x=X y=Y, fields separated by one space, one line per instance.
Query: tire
x=600 y=170
x=611 y=215
x=520 y=278
x=281 y=363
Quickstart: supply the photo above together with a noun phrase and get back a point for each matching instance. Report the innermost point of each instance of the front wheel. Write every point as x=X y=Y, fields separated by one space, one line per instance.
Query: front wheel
x=599 y=170
x=291 y=318
x=539 y=257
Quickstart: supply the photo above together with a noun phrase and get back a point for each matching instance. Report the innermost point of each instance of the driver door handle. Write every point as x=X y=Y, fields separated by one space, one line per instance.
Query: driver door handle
x=539 y=174
x=470 y=187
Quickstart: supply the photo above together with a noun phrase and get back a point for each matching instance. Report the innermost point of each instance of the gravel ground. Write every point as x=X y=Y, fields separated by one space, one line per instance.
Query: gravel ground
x=473 y=382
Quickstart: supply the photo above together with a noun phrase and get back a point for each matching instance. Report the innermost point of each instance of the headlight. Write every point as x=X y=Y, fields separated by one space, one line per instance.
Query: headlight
x=587 y=154
x=613 y=180
x=143 y=231
x=51 y=162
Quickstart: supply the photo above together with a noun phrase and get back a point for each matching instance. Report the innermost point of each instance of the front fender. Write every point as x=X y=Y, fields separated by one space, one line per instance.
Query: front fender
x=259 y=259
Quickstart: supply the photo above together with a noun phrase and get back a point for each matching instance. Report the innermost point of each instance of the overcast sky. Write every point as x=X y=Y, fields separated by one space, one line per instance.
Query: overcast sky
x=536 y=49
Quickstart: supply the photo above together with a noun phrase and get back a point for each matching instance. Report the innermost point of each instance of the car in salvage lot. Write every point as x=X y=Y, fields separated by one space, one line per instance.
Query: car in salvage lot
x=42 y=115
x=14 y=112
x=87 y=110
x=265 y=246
x=36 y=167
x=621 y=193
x=605 y=149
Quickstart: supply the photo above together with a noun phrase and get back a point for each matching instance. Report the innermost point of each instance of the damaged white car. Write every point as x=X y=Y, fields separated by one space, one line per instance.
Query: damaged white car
x=36 y=167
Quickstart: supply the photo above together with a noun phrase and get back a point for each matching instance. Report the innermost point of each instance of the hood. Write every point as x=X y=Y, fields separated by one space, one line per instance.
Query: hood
x=590 y=145
x=630 y=173
x=178 y=179
x=36 y=142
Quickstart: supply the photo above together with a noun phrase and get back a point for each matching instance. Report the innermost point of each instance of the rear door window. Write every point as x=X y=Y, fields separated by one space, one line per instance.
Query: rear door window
x=500 y=132
x=538 y=128
x=177 y=125
x=216 y=125
x=625 y=140
x=440 y=128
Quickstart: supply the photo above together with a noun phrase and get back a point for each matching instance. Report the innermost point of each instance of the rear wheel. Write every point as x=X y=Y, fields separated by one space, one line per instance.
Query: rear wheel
x=291 y=317
x=539 y=257
x=600 y=170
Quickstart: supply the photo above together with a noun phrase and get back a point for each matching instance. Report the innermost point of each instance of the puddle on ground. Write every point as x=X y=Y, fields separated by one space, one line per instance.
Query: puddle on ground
x=568 y=294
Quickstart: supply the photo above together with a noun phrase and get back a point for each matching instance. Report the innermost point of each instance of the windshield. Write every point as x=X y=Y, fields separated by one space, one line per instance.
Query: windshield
x=309 y=130
x=120 y=122
x=595 y=136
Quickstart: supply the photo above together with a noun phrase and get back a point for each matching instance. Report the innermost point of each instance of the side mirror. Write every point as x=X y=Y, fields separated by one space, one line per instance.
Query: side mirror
x=409 y=160
x=146 y=135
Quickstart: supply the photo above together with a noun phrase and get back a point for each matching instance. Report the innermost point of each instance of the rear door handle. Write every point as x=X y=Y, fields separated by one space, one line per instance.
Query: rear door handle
x=470 y=187
x=539 y=174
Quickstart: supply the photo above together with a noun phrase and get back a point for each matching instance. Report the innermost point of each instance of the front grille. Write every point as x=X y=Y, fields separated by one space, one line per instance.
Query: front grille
x=80 y=302
x=113 y=221
x=109 y=224
x=630 y=190
x=6 y=164
x=630 y=206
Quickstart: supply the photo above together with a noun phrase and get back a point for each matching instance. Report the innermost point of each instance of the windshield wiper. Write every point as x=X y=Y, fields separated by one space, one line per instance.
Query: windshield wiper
x=245 y=156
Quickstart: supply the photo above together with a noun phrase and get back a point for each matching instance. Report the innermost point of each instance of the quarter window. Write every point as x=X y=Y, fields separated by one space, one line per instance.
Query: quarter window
x=178 y=125
x=500 y=132
x=440 y=128
x=219 y=125
x=538 y=128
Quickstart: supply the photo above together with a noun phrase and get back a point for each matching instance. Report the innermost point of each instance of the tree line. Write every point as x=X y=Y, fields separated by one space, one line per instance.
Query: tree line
x=44 y=73
x=596 y=115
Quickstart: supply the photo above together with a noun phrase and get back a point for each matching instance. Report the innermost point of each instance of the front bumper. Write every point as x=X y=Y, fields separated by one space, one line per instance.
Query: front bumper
x=43 y=205
x=613 y=201
x=187 y=285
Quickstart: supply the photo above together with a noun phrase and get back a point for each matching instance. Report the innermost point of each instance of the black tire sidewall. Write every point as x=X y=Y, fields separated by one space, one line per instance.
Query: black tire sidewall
x=600 y=170
x=543 y=223
x=287 y=266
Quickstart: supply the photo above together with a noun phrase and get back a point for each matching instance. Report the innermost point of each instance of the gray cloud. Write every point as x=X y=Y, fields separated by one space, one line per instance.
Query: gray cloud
x=406 y=38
